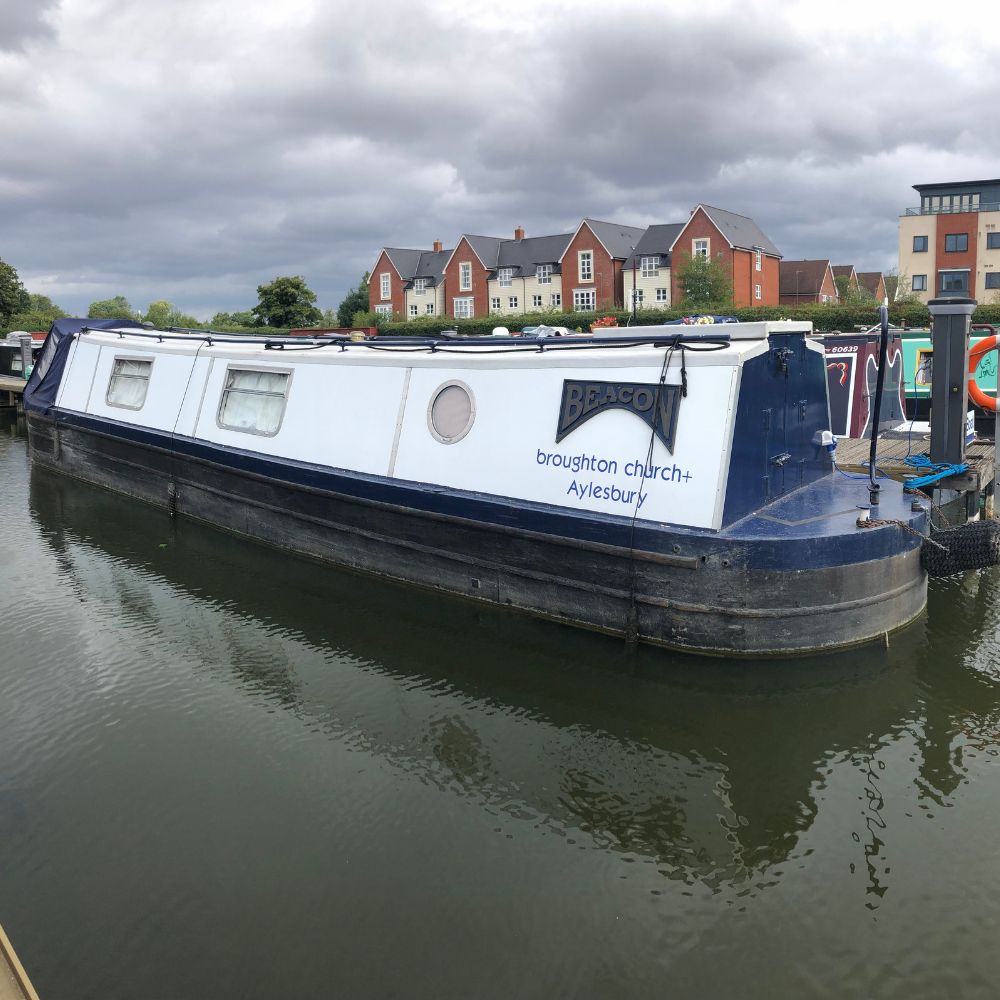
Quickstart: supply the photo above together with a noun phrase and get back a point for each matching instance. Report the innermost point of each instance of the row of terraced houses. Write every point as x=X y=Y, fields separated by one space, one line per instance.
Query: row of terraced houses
x=602 y=265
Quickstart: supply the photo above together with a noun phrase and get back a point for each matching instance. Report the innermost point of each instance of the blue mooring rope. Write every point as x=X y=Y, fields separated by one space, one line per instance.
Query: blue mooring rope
x=932 y=471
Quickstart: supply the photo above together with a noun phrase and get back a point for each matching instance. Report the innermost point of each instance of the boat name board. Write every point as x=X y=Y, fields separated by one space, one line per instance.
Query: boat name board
x=657 y=405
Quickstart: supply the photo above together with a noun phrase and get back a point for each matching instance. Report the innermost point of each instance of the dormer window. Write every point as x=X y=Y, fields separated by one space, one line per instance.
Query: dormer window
x=543 y=274
x=505 y=276
x=419 y=286
x=649 y=266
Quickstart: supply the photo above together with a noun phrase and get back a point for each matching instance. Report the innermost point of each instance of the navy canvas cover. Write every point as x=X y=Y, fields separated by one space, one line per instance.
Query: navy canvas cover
x=43 y=386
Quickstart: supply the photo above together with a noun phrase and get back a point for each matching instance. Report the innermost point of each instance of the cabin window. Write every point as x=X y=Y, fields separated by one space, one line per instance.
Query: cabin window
x=129 y=382
x=253 y=401
x=17 y=365
x=451 y=413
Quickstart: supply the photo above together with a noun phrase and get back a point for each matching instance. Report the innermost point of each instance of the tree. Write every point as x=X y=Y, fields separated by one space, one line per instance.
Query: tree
x=39 y=315
x=356 y=300
x=852 y=293
x=164 y=314
x=116 y=308
x=234 y=319
x=286 y=302
x=704 y=280
x=13 y=297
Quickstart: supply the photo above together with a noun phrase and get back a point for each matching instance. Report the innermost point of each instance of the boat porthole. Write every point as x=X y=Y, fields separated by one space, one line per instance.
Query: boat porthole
x=451 y=412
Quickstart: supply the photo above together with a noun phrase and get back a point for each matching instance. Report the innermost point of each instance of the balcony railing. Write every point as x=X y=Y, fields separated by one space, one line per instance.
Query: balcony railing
x=954 y=209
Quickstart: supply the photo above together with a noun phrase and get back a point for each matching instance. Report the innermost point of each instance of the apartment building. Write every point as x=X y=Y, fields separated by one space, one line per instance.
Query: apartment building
x=950 y=243
x=601 y=265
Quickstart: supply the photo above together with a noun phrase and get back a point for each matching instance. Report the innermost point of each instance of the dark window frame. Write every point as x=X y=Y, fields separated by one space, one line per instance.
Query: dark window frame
x=922 y=287
x=919 y=249
x=993 y=241
x=954 y=238
x=992 y=279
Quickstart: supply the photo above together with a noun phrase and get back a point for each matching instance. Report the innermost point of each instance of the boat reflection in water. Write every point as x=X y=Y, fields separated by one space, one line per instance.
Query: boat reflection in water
x=710 y=772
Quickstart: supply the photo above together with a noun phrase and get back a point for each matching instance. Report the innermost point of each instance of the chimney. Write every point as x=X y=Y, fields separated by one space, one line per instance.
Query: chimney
x=519 y=233
x=438 y=246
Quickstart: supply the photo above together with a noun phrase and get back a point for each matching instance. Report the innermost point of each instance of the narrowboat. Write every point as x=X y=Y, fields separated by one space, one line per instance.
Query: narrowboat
x=675 y=486
x=12 y=356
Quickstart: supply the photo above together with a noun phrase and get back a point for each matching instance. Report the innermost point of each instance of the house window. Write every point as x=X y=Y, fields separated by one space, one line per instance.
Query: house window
x=954 y=281
x=700 y=248
x=956 y=242
x=920 y=244
x=543 y=274
x=463 y=307
x=495 y=303
x=635 y=296
x=662 y=294
x=536 y=301
x=129 y=382
x=919 y=283
x=993 y=241
x=756 y=291
x=649 y=267
x=512 y=302
x=555 y=299
x=383 y=310
x=413 y=312
x=419 y=286
x=993 y=280
x=585 y=259
x=506 y=275
x=253 y=401
x=584 y=299
x=465 y=276
x=429 y=309
x=384 y=288
x=756 y=260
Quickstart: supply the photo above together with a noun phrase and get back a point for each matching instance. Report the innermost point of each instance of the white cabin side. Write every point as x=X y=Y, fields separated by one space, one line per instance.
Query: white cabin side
x=369 y=411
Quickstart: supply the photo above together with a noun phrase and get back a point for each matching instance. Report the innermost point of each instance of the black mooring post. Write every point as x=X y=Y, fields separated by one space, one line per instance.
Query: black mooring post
x=950 y=320
x=883 y=352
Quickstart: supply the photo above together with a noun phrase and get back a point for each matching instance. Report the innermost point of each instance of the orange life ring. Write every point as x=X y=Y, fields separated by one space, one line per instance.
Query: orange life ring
x=975 y=356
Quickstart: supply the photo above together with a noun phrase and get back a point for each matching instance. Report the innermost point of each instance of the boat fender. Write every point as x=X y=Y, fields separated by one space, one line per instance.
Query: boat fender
x=975 y=356
x=975 y=545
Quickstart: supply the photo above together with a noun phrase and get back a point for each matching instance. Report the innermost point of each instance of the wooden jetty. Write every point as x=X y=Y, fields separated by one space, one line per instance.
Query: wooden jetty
x=852 y=455
x=14 y=982
x=11 y=390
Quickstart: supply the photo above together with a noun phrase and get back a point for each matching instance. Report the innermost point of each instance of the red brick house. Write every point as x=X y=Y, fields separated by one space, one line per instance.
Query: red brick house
x=467 y=274
x=802 y=281
x=739 y=245
x=874 y=281
x=592 y=265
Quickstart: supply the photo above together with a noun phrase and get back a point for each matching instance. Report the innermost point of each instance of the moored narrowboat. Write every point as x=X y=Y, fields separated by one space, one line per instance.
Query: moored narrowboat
x=675 y=486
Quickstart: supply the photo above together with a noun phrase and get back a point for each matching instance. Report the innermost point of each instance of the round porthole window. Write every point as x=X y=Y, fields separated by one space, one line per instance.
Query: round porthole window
x=452 y=412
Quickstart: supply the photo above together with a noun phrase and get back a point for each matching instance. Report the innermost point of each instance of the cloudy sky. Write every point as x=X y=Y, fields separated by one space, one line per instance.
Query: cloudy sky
x=194 y=149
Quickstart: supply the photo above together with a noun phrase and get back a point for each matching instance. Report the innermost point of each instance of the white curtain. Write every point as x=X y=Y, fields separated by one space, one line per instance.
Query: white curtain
x=129 y=382
x=253 y=401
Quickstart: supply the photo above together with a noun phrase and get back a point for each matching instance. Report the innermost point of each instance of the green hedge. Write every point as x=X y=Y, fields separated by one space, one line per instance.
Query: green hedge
x=825 y=318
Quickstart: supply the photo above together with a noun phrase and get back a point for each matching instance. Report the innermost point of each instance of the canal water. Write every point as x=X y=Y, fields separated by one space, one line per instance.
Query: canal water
x=226 y=773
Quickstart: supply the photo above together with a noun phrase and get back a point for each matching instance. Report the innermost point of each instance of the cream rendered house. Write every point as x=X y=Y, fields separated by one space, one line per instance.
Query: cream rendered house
x=646 y=273
x=527 y=278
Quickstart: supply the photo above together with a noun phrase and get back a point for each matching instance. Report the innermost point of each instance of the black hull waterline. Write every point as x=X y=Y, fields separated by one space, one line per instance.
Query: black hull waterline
x=695 y=593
